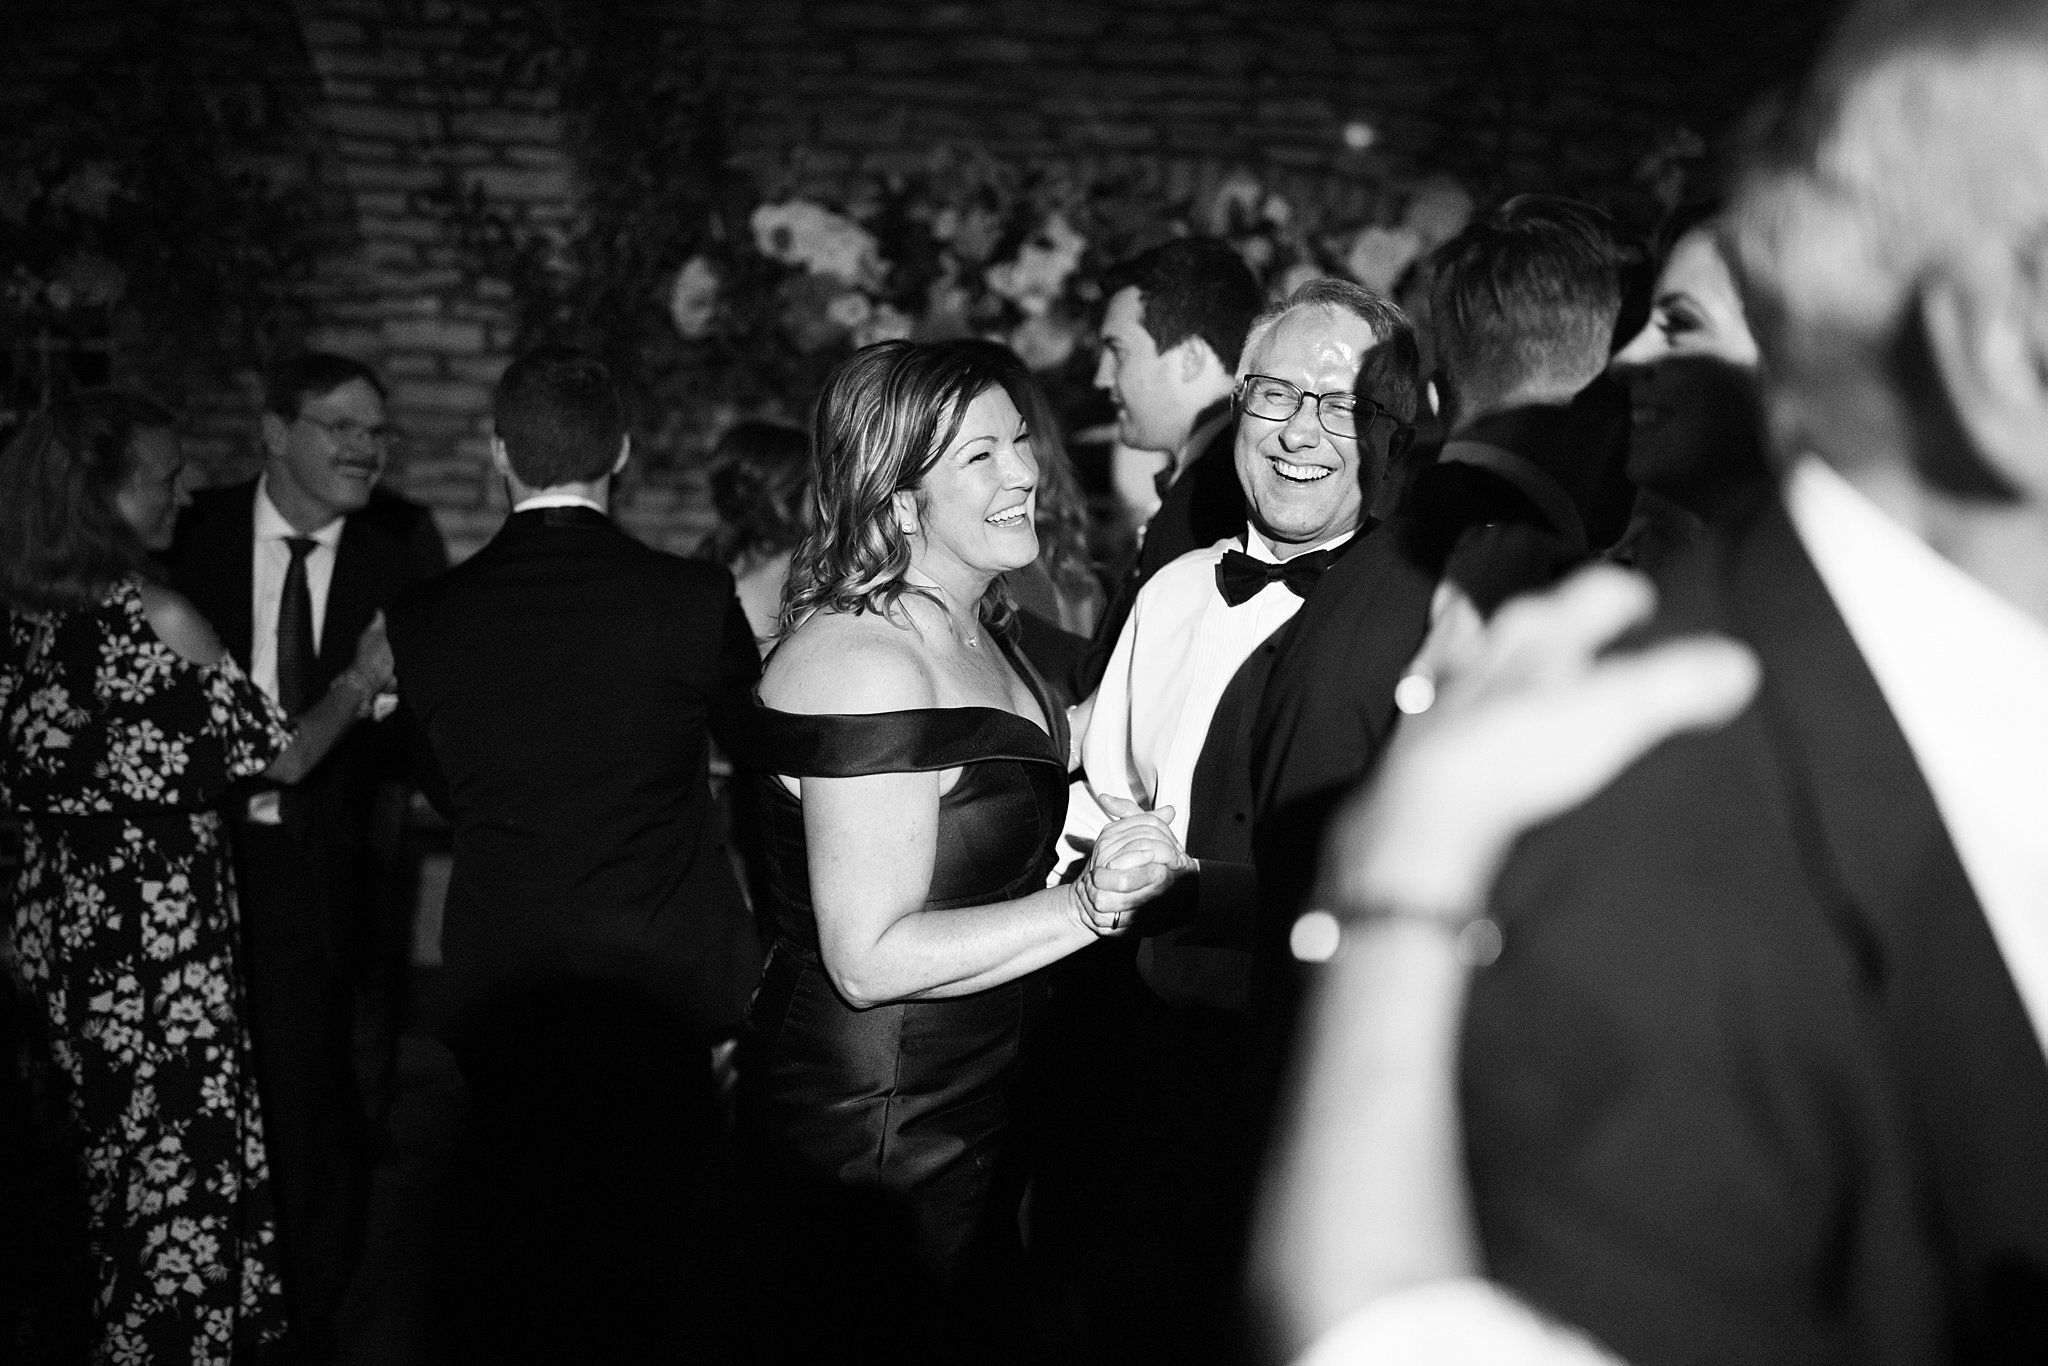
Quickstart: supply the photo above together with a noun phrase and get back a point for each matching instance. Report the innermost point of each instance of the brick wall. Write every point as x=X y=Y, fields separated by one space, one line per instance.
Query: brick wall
x=409 y=114
x=1503 y=95
x=417 y=120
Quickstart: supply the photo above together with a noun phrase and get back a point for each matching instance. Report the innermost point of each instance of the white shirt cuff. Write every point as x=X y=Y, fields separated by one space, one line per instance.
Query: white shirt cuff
x=1466 y=1322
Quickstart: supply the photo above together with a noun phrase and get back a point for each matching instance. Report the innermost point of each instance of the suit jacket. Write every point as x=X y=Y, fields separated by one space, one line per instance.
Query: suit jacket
x=387 y=547
x=564 y=683
x=1328 y=706
x=1751 y=1081
x=1204 y=504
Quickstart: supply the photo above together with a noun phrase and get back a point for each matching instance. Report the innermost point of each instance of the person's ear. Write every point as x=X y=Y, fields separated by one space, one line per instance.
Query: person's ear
x=276 y=434
x=1398 y=442
x=625 y=452
x=1194 y=360
x=500 y=461
x=905 y=506
x=1984 y=322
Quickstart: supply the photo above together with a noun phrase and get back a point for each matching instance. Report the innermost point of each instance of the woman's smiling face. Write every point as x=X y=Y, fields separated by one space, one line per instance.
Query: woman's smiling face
x=976 y=504
x=1691 y=373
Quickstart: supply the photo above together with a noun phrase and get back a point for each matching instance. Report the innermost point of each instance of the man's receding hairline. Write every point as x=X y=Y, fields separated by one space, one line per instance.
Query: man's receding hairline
x=1261 y=335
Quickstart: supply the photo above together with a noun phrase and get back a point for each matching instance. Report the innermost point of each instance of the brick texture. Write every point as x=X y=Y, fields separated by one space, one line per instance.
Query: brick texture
x=409 y=112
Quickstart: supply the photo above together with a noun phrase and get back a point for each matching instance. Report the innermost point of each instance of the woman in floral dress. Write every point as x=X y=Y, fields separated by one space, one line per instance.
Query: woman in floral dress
x=122 y=724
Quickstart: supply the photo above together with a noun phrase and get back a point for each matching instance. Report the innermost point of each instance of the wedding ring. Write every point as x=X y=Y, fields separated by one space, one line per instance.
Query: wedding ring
x=1116 y=920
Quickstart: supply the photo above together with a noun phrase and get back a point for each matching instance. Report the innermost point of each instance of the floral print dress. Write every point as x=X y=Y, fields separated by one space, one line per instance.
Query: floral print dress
x=114 y=751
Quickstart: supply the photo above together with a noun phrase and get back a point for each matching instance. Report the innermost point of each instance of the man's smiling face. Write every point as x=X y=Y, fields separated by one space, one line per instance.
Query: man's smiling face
x=1301 y=484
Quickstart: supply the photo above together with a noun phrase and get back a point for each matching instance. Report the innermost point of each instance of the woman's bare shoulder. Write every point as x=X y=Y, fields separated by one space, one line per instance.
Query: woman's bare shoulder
x=178 y=624
x=843 y=663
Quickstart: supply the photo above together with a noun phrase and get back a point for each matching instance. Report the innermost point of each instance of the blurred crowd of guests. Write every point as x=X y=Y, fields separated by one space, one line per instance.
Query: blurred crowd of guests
x=1374 y=925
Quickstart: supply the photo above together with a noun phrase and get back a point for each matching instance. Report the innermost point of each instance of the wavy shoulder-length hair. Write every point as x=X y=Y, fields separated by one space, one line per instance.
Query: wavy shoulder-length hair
x=63 y=541
x=885 y=417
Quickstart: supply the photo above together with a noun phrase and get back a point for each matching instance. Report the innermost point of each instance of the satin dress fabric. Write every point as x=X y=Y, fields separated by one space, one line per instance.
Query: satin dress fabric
x=884 y=1137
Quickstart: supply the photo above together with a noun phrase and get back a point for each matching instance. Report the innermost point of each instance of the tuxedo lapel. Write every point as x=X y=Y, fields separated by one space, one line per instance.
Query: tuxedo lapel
x=1880 y=857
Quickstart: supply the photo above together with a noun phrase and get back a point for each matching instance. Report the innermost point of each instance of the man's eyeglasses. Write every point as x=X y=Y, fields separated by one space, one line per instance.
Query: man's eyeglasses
x=344 y=432
x=1341 y=412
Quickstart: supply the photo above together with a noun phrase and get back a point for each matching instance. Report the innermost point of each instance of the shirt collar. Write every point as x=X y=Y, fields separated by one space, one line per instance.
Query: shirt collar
x=272 y=526
x=556 y=500
x=1257 y=546
x=1893 y=587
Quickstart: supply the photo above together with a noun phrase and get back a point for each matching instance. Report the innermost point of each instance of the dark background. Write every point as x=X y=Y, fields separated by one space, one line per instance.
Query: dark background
x=428 y=184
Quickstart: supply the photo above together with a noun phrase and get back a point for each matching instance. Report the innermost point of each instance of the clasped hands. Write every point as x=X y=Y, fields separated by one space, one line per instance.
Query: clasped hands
x=1135 y=858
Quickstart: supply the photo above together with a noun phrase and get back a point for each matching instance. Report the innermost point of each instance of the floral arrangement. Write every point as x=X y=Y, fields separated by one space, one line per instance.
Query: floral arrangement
x=970 y=245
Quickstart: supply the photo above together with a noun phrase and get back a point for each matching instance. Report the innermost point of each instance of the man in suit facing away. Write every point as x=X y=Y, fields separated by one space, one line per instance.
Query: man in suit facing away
x=563 y=685
x=1759 y=1076
x=291 y=568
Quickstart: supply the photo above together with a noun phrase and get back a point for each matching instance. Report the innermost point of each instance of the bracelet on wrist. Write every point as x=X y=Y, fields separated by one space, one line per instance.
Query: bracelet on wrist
x=1318 y=934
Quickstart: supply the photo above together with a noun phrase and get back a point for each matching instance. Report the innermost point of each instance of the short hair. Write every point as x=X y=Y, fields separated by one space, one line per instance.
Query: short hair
x=1525 y=297
x=1392 y=371
x=560 y=417
x=761 y=488
x=1920 y=136
x=63 y=541
x=311 y=374
x=1191 y=287
x=884 y=418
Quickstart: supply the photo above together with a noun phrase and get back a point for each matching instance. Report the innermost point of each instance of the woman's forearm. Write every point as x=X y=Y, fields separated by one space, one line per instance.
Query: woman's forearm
x=320 y=727
x=930 y=954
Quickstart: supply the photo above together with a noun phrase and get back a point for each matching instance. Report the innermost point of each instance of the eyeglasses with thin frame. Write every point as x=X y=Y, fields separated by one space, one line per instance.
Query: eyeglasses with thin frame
x=1338 y=411
x=346 y=432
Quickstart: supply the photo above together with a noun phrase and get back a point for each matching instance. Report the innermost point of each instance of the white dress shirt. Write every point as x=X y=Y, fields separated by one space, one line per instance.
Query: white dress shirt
x=1458 y=1322
x=1178 y=652
x=272 y=558
x=557 y=500
x=1965 y=674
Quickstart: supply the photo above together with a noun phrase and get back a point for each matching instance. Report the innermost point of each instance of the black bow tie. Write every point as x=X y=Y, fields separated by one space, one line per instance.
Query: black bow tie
x=1239 y=577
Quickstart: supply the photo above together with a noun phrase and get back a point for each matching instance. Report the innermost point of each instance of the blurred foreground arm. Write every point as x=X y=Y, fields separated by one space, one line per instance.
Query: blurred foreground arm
x=1364 y=1243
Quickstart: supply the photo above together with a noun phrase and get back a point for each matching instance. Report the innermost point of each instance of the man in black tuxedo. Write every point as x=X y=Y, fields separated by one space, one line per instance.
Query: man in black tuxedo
x=1171 y=334
x=292 y=568
x=1524 y=303
x=1760 y=1075
x=1151 y=1035
x=563 y=684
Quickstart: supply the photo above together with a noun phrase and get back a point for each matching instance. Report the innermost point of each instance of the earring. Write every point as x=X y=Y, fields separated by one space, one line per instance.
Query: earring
x=907 y=528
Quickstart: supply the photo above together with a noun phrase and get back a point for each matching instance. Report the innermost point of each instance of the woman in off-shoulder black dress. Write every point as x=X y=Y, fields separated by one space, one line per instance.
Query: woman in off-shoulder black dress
x=910 y=771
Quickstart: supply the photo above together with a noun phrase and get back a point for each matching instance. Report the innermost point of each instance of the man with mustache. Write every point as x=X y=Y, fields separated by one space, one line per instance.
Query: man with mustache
x=291 y=568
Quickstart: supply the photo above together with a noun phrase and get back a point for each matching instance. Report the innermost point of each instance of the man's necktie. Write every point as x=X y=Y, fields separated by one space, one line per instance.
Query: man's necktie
x=1239 y=577
x=295 y=632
